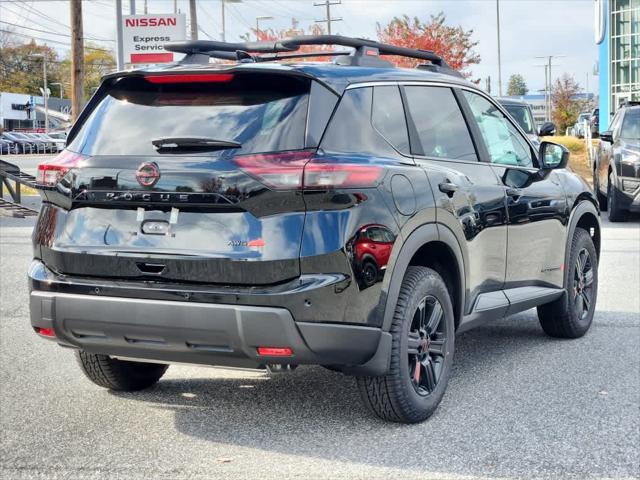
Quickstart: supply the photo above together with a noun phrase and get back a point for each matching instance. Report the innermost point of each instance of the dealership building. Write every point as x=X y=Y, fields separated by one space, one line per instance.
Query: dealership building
x=618 y=36
x=18 y=111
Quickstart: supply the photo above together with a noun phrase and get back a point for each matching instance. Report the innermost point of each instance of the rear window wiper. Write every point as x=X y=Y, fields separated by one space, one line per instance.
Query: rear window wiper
x=171 y=144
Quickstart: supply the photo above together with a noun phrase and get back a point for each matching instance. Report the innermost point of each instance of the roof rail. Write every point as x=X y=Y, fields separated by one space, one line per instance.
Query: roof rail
x=367 y=51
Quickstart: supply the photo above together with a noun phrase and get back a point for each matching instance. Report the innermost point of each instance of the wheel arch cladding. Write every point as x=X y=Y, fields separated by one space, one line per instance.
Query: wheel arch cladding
x=438 y=249
x=585 y=216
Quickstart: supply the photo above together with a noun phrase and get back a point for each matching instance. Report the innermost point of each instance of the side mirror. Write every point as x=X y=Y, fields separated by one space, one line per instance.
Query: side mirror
x=547 y=128
x=607 y=136
x=553 y=155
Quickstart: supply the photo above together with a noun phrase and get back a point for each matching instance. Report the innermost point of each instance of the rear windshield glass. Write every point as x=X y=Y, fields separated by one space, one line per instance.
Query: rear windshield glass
x=522 y=116
x=263 y=113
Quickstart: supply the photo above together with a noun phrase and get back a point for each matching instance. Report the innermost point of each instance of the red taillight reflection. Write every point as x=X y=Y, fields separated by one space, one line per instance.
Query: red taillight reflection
x=300 y=170
x=45 y=332
x=275 y=351
x=51 y=171
x=190 y=78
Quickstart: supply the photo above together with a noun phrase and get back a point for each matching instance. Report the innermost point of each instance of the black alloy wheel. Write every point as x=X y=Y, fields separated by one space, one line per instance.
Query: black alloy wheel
x=427 y=345
x=583 y=284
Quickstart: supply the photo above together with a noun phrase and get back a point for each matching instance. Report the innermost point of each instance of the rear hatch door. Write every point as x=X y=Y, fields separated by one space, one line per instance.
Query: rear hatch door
x=153 y=185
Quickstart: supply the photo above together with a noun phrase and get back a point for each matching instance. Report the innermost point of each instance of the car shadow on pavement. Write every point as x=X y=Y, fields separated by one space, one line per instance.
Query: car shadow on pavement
x=316 y=413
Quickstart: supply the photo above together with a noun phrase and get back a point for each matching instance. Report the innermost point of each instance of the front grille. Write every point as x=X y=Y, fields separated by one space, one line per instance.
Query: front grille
x=630 y=186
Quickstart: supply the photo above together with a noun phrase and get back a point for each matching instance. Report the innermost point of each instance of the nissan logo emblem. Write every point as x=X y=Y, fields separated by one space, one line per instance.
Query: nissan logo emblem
x=148 y=174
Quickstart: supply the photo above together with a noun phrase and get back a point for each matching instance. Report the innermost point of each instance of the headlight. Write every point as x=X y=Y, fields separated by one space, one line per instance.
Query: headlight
x=629 y=157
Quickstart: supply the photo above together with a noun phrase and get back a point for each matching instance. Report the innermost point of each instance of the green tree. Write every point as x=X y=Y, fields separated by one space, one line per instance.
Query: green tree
x=566 y=107
x=20 y=71
x=517 y=85
x=97 y=63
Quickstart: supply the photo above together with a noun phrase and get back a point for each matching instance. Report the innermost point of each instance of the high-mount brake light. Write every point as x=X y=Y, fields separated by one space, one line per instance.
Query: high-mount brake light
x=190 y=78
x=302 y=171
x=51 y=171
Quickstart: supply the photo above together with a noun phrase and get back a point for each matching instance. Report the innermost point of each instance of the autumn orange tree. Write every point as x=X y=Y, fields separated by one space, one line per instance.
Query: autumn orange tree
x=454 y=44
x=566 y=107
x=270 y=35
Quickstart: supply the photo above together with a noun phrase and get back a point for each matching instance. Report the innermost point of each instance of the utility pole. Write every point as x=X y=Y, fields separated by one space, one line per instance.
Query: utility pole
x=132 y=7
x=120 y=53
x=193 y=16
x=77 y=59
x=586 y=88
x=223 y=33
x=548 y=79
x=262 y=17
x=146 y=7
x=328 y=4
x=44 y=89
x=499 y=59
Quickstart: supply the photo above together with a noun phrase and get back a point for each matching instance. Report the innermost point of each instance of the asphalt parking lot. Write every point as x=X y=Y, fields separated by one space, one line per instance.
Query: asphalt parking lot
x=519 y=405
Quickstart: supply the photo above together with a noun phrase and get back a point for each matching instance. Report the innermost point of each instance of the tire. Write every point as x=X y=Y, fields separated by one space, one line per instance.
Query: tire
x=402 y=395
x=119 y=375
x=614 y=212
x=369 y=273
x=567 y=317
x=602 y=199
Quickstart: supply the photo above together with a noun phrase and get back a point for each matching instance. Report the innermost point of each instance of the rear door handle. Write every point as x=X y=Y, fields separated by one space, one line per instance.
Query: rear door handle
x=448 y=187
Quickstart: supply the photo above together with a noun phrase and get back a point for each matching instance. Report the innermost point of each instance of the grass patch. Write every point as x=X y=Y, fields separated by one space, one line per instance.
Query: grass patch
x=579 y=159
x=24 y=190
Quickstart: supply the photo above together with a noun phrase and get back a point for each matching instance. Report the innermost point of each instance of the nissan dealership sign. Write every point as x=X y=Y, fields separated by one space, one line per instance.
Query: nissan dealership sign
x=144 y=36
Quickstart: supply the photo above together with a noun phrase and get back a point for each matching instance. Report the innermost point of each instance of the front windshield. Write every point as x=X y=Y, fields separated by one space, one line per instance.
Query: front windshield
x=631 y=125
x=521 y=115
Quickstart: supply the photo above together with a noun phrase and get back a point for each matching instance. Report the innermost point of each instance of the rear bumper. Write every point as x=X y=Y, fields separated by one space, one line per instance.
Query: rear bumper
x=203 y=333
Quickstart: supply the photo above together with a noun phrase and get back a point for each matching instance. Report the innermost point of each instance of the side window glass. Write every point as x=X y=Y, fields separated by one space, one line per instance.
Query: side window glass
x=388 y=117
x=440 y=126
x=615 y=123
x=503 y=141
x=351 y=131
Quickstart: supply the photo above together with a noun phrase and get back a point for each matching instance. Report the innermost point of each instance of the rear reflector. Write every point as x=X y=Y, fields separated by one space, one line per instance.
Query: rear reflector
x=275 y=351
x=190 y=78
x=45 y=332
x=51 y=171
x=300 y=170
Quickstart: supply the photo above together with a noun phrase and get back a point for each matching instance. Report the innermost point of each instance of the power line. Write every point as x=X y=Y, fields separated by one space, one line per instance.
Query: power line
x=328 y=20
x=51 y=32
x=10 y=32
x=56 y=33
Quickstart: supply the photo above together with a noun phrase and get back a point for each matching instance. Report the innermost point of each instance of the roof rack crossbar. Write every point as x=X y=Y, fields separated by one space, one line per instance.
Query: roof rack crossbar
x=215 y=49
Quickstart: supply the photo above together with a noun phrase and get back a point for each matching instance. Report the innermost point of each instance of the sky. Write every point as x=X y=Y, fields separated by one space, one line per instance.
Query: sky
x=529 y=28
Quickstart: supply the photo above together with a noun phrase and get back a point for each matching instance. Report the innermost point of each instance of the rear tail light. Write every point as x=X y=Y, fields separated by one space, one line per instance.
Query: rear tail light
x=275 y=351
x=51 y=171
x=280 y=171
x=300 y=170
x=327 y=175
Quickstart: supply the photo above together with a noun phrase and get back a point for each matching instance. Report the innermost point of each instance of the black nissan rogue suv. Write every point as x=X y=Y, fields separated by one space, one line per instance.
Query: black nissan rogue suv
x=265 y=213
